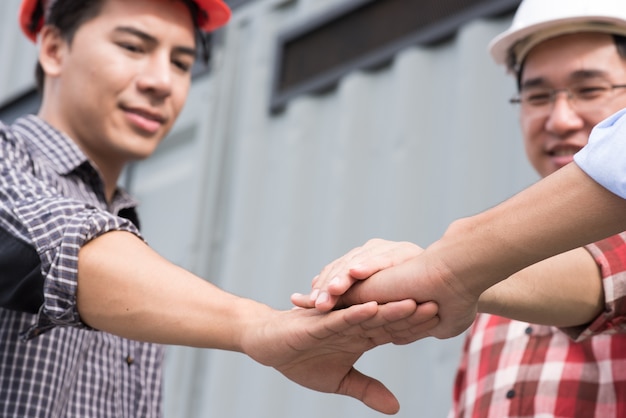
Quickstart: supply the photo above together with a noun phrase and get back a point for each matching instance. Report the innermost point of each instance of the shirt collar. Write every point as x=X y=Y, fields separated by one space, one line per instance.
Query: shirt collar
x=47 y=142
x=61 y=152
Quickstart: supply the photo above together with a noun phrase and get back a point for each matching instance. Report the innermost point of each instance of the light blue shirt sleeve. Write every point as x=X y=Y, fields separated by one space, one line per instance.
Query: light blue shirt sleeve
x=604 y=157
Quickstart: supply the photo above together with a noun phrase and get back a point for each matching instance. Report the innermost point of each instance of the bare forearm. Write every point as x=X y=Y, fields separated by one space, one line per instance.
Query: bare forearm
x=563 y=291
x=566 y=210
x=127 y=289
x=563 y=211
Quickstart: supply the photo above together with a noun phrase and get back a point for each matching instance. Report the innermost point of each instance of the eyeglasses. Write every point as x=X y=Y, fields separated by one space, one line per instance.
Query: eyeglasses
x=585 y=96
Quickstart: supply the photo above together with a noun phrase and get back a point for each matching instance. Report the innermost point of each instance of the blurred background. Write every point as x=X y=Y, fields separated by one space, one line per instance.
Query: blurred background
x=317 y=125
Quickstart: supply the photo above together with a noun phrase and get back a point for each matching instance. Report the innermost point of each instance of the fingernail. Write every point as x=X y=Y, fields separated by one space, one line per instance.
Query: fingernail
x=314 y=294
x=334 y=281
x=322 y=298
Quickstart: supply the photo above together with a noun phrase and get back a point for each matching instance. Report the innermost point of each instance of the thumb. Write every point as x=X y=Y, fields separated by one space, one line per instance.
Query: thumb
x=369 y=391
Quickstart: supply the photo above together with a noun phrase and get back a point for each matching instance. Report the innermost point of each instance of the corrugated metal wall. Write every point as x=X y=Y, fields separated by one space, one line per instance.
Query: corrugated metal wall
x=18 y=55
x=259 y=203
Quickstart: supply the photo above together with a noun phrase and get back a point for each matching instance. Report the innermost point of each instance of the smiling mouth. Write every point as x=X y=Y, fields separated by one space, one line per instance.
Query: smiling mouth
x=143 y=121
x=563 y=152
x=152 y=116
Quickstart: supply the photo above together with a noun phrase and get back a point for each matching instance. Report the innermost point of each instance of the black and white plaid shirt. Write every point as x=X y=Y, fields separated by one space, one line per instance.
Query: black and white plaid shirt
x=51 y=364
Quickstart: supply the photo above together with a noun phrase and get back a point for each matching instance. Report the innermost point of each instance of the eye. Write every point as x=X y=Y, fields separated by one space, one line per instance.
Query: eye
x=131 y=47
x=537 y=97
x=184 y=66
x=589 y=92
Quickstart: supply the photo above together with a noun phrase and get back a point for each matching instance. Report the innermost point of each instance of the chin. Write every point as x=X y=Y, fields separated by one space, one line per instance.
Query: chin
x=136 y=153
x=138 y=156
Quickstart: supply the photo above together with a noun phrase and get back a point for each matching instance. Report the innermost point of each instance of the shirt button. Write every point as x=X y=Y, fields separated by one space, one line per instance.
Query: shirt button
x=529 y=330
x=130 y=360
x=510 y=394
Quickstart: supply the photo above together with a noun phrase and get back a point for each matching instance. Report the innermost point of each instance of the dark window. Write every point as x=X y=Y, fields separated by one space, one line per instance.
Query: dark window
x=366 y=33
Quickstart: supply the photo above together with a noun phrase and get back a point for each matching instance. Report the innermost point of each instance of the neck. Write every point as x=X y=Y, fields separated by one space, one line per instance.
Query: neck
x=109 y=169
x=110 y=179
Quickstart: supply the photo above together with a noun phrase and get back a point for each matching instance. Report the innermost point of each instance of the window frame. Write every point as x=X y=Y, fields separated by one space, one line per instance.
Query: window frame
x=427 y=35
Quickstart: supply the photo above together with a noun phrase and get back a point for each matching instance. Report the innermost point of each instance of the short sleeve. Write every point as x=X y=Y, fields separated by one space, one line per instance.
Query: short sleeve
x=603 y=157
x=610 y=256
x=51 y=227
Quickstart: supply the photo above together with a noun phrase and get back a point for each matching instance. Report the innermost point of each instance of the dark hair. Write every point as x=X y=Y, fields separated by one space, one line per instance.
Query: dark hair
x=620 y=44
x=618 y=40
x=68 y=15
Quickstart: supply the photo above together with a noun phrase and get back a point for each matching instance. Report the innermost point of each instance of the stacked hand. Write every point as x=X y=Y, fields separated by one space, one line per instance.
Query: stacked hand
x=359 y=264
x=385 y=271
x=319 y=350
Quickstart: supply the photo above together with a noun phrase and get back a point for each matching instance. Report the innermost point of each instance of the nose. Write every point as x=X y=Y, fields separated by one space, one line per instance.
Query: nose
x=563 y=118
x=156 y=77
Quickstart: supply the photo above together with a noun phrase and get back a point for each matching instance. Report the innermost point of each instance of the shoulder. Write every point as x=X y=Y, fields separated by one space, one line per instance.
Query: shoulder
x=15 y=155
x=10 y=137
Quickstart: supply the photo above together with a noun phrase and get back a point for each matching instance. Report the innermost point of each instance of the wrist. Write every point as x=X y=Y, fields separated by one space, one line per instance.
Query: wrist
x=251 y=318
x=476 y=256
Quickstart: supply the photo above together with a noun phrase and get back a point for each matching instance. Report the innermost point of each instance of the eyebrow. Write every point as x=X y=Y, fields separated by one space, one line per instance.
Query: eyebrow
x=153 y=40
x=575 y=76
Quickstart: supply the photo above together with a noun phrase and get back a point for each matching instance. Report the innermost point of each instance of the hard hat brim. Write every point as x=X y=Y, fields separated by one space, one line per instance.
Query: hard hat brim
x=502 y=44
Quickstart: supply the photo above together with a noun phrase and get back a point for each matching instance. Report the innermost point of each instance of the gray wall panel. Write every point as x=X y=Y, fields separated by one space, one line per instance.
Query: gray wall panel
x=17 y=54
x=397 y=153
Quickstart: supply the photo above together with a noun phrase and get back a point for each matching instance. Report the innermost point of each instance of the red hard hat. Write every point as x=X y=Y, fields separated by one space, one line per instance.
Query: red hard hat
x=217 y=11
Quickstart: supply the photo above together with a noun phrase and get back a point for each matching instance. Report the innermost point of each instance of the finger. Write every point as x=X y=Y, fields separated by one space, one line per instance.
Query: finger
x=369 y=258
x=302 y=301
x=400 y=328
x=381 y=255
x=385 y=286
x=414 y=334
x=341 y=282
x=392 y=316
x=333 y=268
x=324 y=301
x=369 y=391
x=335 y=274
x=335 y=277
x=390 y=313
x=423 y=312
x=314 y=281
x=344 y=320
x=338 y=277
x=379 y=325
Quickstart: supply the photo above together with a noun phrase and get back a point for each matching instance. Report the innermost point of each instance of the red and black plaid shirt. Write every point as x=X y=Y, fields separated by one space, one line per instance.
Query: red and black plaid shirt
x=516 y=369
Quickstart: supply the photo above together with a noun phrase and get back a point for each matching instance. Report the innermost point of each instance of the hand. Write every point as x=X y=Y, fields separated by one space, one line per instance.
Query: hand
x=318 y=350
x=358 y=264
x=423 y=278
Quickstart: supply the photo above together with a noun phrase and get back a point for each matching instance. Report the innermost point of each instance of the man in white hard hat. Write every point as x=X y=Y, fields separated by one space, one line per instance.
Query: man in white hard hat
x=83 y=299
x=569 y=57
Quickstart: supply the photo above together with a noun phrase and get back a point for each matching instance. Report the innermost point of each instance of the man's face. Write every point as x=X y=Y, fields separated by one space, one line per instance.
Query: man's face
x=122 y=82
x=555 y=132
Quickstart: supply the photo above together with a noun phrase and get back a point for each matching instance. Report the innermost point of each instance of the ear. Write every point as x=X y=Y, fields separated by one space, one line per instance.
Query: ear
x=52 y=48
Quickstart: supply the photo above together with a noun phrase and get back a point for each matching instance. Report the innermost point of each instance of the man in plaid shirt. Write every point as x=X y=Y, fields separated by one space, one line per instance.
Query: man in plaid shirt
x=84 y=302
x=554 y=361
x=563 y=353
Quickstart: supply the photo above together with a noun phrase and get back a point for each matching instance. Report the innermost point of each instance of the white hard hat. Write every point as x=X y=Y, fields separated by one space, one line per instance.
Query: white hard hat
x=538 y=20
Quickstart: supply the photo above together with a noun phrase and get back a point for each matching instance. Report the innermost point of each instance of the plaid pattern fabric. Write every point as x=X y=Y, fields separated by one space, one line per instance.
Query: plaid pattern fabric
x=515 y=369
x=51 y=364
